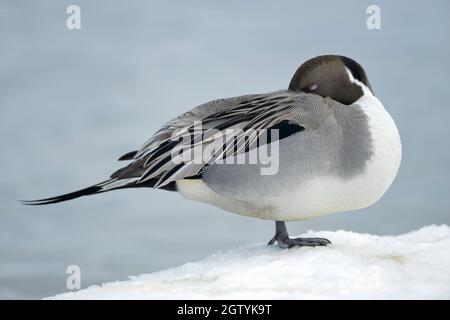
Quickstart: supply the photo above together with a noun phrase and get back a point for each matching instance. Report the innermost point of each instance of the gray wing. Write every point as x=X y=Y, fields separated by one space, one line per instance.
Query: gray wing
x=330 y=134
x=154 y=160
x=186 y=120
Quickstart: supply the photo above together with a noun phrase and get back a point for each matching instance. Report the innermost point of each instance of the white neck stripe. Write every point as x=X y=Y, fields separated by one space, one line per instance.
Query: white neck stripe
x=363 y=87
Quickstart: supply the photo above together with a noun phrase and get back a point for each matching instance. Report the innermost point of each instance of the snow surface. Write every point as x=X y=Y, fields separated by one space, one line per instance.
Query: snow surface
x=415 y=265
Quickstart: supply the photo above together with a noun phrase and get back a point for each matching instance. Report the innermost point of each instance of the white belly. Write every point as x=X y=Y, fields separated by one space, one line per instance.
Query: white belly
x=325 y=194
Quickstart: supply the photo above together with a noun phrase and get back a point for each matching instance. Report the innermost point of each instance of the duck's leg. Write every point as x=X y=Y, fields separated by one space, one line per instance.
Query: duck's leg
x=282 y=238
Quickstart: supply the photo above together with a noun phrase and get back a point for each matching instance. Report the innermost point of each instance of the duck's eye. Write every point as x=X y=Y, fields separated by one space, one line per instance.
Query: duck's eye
x=310 y=88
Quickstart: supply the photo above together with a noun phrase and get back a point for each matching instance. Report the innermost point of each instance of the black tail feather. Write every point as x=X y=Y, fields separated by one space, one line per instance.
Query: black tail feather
x=128 y=156
x=95 y=189
x=68 y=196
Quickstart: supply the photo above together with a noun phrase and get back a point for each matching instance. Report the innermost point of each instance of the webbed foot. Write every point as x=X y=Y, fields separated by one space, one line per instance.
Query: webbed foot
x=283 y=240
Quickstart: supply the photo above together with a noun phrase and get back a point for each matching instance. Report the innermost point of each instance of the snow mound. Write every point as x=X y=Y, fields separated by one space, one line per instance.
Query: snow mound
x=415 y=265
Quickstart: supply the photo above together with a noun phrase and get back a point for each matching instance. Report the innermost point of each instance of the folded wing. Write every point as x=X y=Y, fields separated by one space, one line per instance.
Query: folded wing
x=251 y=115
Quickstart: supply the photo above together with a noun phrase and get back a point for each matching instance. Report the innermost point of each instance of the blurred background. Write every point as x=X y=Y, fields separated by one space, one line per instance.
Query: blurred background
x=73 y=101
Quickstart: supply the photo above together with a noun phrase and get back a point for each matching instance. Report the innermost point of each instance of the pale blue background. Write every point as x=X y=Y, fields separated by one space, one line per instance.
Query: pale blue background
x=71 y=102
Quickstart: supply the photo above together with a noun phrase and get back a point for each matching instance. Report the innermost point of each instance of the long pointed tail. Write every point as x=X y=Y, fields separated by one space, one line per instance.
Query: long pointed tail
x=108 y=185
x=97 y=188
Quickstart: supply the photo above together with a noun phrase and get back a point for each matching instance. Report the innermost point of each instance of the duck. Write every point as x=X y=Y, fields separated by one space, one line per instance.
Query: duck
x=333 y=148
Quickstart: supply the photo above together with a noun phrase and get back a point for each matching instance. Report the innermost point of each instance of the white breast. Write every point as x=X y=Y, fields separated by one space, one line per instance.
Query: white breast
x=327 y=195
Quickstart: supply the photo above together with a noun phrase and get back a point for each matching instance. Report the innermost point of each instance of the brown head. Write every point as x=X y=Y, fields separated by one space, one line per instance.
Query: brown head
x=337 y=77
